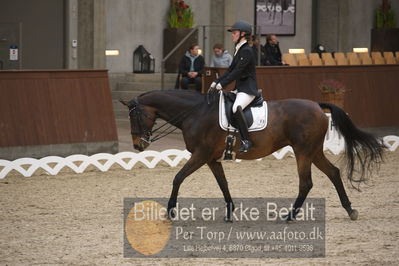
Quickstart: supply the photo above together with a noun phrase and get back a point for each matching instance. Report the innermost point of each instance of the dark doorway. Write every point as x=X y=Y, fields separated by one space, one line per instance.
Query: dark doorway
x=36 y=28
x=10 y=39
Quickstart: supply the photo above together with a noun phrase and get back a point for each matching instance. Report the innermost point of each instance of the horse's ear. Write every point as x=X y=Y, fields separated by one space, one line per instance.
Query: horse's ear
x=123 y=102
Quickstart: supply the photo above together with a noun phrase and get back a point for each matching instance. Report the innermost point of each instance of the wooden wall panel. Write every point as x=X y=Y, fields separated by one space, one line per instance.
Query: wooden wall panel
x=371 y=99
x=55 y=107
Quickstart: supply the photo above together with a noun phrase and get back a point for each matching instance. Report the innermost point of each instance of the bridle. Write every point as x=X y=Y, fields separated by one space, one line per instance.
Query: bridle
x=136 y=113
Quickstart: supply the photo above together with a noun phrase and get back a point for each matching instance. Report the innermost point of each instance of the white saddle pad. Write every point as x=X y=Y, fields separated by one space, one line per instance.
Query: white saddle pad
x=259 y=115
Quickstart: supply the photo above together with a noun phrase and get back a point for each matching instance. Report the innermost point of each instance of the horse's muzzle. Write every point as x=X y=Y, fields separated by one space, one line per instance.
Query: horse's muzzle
x=138 y=147
x=142 y=145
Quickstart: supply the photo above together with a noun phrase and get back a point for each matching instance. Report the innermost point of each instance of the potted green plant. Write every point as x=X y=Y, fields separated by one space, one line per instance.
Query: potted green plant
x=384 y=34
x=180 y=20
x=180 y=15
x=333 y=91
x=385 y=16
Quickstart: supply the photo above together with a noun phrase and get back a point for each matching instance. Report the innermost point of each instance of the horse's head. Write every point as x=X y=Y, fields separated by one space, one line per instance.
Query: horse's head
x=142 y=119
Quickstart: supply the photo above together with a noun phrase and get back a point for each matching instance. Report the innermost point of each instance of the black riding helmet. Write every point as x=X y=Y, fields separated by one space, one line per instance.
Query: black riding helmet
x=242 y=26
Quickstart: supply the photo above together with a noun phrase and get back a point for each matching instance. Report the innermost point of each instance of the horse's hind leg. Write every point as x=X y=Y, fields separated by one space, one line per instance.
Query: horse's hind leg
x=217 y=170
x=304 y=164
x=333 y=174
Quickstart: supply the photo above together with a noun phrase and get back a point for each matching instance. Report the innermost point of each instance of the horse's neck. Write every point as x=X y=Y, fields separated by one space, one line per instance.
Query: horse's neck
x=170 y=105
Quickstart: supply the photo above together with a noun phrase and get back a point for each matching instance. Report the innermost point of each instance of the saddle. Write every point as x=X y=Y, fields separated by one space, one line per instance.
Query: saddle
x=255 y=113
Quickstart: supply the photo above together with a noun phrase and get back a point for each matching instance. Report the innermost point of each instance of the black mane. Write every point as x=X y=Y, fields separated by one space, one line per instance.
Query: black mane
x=187 y=98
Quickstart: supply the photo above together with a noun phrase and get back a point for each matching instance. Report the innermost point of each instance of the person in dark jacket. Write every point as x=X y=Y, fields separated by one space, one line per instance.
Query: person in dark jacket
x=242 y=71
x=256 y=46
x=272 y=52
x=191 y=67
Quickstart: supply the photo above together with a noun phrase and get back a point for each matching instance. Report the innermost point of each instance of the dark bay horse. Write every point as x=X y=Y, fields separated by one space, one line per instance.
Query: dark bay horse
x=296 y=122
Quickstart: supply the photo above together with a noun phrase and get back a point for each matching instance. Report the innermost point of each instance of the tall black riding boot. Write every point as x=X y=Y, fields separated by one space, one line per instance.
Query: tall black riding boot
x=243 y=128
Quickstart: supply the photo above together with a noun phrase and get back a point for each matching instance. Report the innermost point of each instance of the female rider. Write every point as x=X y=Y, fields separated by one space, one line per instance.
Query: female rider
x=241 y=70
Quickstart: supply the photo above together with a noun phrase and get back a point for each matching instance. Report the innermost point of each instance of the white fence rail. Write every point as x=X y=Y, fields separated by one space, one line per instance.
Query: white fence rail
x=127 y=160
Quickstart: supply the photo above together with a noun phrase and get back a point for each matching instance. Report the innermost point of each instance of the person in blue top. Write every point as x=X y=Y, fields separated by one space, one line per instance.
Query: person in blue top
x=191 y=67
x=221 y=57
x=242 y=71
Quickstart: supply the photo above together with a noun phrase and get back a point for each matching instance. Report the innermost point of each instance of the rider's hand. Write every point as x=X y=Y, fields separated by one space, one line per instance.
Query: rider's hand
x=219 y=87
x=213 y=85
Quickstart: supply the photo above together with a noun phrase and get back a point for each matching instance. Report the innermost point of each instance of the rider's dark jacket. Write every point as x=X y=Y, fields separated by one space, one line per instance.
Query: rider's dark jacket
x=242 y=70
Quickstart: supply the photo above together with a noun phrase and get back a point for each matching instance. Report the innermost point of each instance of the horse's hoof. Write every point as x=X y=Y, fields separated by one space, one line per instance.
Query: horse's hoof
x=228 y=220
x=171 y=213
x=354 y=215
x=288 y=218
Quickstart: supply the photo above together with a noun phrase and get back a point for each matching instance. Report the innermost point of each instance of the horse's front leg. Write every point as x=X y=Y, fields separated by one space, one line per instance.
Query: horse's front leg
x=304 y=164
x=193 y=164
x=217 y=170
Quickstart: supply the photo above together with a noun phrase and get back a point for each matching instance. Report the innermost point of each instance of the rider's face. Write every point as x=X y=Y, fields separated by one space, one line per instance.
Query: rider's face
x=235 y=35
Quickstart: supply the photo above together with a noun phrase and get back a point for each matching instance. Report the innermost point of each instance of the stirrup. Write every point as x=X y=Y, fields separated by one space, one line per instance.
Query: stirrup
x=245 y=146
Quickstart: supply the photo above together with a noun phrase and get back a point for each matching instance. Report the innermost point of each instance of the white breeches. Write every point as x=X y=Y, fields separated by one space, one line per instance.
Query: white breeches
x=242 y=100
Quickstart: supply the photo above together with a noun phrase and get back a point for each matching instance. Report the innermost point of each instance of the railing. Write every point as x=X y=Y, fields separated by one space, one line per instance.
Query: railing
x=78 y=163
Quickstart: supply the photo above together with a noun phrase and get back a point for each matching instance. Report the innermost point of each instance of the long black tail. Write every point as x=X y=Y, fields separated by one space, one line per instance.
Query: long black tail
x=359 y=145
